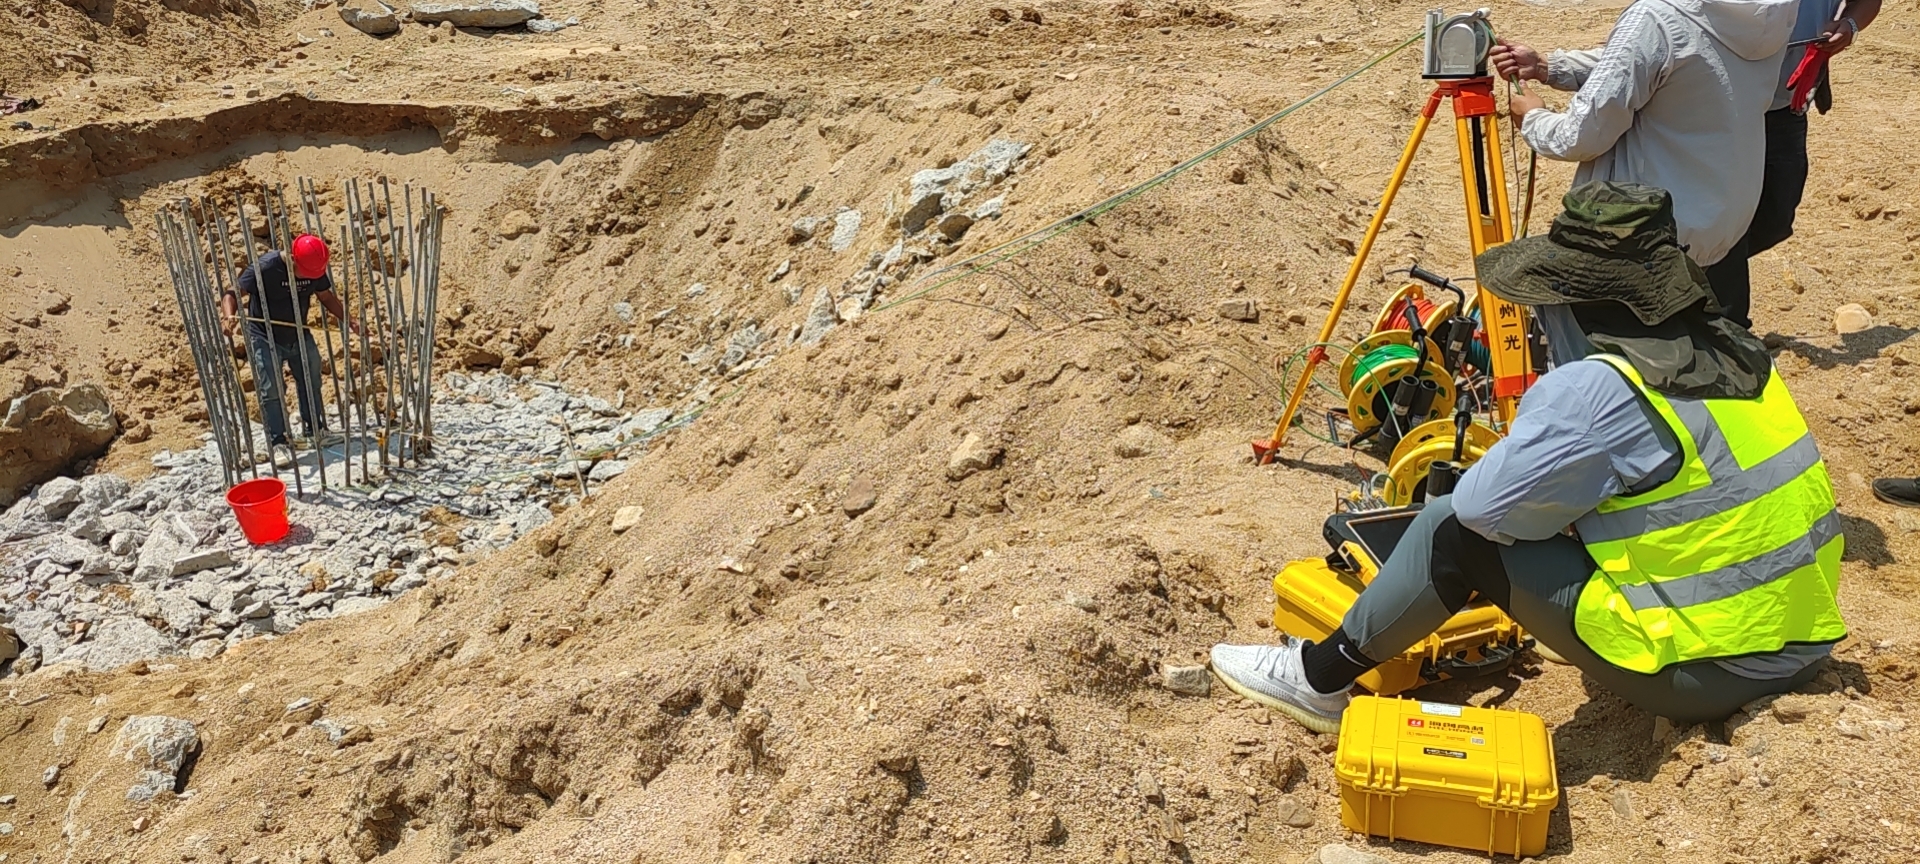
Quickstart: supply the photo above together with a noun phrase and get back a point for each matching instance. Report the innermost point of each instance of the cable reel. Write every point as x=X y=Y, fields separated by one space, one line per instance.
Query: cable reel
x=1393 y=315
x=1383 y=363
x=1413 y=458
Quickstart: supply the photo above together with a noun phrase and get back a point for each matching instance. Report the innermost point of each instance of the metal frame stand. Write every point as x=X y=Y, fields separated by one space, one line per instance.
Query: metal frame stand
x=1489 y=224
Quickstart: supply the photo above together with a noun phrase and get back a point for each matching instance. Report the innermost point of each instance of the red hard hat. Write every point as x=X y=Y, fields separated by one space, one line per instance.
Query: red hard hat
x=309 y=257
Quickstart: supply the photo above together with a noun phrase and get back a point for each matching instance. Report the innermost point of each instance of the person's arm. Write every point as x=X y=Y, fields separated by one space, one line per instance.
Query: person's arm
x=1619 y=85
x=1549 y=471
x=1854 y=17
x=331 y=302
x=230 y=301
x=229 y=313
x=1562 y=70
x=1569 y=70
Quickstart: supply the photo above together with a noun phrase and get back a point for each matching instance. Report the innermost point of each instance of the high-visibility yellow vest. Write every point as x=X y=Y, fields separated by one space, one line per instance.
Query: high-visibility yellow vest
x=1738 y=554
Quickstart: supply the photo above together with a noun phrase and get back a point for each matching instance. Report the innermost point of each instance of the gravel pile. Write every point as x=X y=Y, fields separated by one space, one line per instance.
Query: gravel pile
x=104 y=573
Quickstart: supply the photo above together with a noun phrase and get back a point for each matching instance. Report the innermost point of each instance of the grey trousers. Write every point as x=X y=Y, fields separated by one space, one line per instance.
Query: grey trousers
x=298 y=353
x=1438 y=563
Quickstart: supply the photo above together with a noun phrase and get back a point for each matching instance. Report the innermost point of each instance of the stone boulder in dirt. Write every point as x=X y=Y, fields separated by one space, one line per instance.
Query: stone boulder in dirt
x=372 y=18
x=47 y=430
x=490 y=14
x=938 y=190
x=161 y=747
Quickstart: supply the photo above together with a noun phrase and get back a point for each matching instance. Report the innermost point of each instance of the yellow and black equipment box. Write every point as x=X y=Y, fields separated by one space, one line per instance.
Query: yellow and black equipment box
x=1453 y=775
x=1312 y=595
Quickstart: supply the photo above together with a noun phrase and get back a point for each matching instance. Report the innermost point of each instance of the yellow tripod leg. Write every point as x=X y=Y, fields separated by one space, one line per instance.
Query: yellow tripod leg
x=1263 y=450
x=1505 y=322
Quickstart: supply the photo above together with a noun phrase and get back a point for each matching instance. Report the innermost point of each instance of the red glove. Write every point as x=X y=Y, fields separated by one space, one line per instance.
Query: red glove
x=1806 y=76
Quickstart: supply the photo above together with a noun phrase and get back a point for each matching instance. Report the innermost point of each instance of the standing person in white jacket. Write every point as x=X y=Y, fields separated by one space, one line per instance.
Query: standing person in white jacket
x=1676 y=99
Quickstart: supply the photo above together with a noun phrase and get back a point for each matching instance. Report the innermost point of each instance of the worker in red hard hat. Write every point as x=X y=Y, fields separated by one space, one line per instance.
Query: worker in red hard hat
x=282 y=295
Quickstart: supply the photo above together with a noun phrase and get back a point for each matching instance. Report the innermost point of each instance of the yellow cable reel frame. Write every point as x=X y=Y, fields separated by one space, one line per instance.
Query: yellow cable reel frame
x=1362 y=393
x=1429 y=443
x=1393 y=315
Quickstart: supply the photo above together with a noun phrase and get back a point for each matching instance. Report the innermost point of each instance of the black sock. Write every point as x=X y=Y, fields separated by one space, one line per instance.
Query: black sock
x=1332 y=664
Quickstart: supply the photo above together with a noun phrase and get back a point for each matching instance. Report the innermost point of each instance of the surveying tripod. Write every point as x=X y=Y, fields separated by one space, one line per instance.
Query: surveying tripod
x=1489 y=224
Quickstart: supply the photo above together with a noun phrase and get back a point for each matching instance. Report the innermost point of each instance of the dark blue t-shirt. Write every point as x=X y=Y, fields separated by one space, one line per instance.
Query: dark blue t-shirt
x=280 y=303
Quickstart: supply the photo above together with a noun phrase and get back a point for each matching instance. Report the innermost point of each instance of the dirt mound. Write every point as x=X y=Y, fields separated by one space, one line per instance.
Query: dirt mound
x=905 y=592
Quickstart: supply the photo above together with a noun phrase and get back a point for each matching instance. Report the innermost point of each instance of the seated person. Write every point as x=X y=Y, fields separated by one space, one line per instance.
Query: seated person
x=1657 y=514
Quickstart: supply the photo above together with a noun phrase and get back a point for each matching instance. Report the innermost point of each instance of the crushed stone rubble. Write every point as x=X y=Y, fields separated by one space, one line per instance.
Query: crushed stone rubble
x=104 y=573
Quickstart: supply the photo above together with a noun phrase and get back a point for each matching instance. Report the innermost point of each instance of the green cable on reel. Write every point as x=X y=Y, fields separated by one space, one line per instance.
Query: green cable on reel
x=1379 y=357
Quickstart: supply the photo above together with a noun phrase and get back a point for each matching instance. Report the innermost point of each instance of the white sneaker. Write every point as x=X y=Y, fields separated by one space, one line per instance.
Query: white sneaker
x=1273 y=675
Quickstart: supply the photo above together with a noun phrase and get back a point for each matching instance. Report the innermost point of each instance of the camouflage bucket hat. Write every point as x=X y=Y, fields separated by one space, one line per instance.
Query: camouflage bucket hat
x=1614 y=241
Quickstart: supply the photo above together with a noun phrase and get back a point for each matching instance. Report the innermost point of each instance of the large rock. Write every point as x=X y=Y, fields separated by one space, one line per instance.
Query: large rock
x=40 y=628
x=182 y=615
x=846 y=227
x=157 y=555
x=46 y=431
x=58 y=497
x=103 y=490
x=373 y=19
x=937 y=190
x=121 y=641
x=476 y=13
x=160 y=746
x=972 y=457
x=1335 y=853
x=1852 y=318
x=821 y=318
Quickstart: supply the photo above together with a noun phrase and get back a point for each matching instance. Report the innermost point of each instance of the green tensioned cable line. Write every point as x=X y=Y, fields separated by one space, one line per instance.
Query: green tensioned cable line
x=1020 y=245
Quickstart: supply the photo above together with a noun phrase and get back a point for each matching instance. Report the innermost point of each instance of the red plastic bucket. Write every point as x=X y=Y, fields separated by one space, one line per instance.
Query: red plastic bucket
x=261 y=507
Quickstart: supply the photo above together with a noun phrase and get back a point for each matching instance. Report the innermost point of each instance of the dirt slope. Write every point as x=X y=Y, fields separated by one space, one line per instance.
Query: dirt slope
x=966 y=671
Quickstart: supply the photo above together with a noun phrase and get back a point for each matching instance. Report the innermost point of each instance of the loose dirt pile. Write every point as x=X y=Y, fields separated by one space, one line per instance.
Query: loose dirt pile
x=902 y=594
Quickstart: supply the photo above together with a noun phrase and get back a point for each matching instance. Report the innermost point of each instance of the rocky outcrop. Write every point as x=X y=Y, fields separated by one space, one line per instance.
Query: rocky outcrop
x=372 y=18
x=46 y=431
x=492 y=14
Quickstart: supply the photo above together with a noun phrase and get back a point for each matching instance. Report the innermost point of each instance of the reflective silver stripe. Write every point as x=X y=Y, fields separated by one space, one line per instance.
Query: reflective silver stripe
x=1726 y=492
x=1735 y=578
x=1707 y=439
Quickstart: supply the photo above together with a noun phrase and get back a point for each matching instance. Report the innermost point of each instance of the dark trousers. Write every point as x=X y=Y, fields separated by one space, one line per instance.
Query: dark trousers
x=1781 y=188
x=1440 y=564
x=301 y=357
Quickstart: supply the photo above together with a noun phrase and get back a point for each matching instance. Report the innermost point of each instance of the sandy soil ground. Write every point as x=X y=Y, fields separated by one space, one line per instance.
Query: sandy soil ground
x=753 y=674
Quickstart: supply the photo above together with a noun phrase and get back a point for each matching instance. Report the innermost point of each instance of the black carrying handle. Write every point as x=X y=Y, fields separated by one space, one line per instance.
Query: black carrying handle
x=1493 y=658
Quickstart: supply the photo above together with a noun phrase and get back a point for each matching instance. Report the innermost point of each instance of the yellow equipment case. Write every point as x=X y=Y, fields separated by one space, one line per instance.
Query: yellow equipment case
x=1312 y=595
x=1471 y=778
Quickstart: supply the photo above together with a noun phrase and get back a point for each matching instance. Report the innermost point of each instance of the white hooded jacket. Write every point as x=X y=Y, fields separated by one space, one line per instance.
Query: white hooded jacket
x=1675 y=99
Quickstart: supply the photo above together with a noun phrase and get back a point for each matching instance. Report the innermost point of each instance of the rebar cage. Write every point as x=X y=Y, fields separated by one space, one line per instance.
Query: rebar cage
x=375 y=381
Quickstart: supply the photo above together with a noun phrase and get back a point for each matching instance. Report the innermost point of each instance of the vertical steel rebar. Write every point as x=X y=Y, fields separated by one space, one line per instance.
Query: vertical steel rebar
x=376 y=316
x=196 y=341
x=215 y=370
x=349 y=405
x=310 y=217
x=389 y=271
x=276 y=379
x=223 y=251
x=221 y=365
x=431 y=229
x=280 y=229
x=363 y=375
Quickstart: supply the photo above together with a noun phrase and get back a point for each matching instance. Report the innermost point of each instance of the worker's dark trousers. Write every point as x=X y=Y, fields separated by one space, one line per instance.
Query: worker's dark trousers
x=1781 y=188
x=1439 y=564
x=301 y=357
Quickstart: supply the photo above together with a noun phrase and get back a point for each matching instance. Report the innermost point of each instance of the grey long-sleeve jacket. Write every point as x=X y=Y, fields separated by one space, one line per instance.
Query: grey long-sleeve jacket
x=1676 y=99
x=1582 y=435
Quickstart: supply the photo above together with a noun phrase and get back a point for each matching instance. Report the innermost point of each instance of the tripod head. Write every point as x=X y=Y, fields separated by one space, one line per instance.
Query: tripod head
x=1457 y=46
